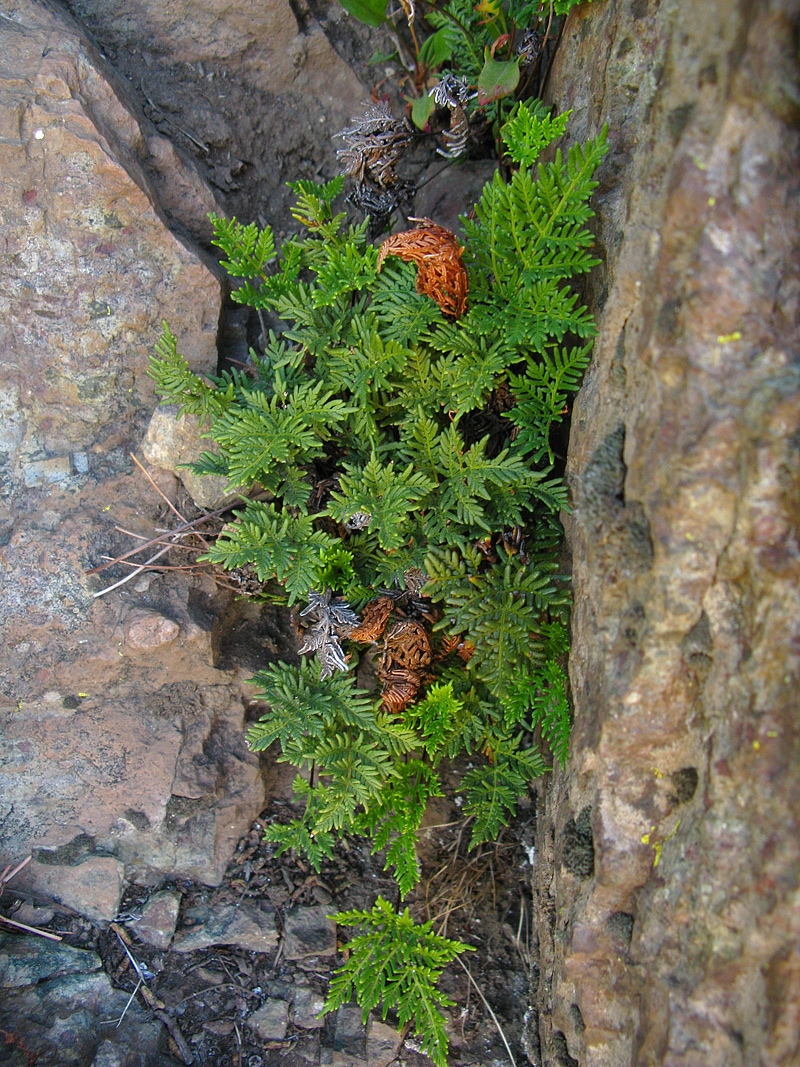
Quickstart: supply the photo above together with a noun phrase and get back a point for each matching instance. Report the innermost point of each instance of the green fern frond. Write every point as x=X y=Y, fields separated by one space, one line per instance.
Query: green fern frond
x=354 y=768
x=276 y=544
x=404 y=314
x=346 y=270
x=300 y=706
x=396 y=963
x=499 y=609
x=299 y=835
x=493 y=789
x=530 y=129
x=389 y=497
x=394 y=818
x=434 y=716
x=177 y=384
x=551 y=709
x=249 y=250
x=541 y=395
x=264 y=431
x=312 y=208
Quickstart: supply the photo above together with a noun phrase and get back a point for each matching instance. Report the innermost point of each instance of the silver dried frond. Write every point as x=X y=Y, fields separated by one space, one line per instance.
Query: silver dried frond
x=331 y=658
x=358 y=521
x=530 y=47
x=343 y=618
x=451 y=91
x=329 y=620
x=317 y=602
x=374 y=144
x=456 y=138
x=414 y=580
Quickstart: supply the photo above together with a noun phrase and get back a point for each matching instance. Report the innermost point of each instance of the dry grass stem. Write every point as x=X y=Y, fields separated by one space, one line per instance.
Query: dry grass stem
x=6 y=876
x=489 y=1009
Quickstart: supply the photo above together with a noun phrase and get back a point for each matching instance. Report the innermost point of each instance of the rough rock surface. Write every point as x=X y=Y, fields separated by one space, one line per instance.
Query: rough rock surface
x=70 y=1010
x=252 y=92
x=669 y=857
x=122 y=742
x=248 y=926
x=172 y=442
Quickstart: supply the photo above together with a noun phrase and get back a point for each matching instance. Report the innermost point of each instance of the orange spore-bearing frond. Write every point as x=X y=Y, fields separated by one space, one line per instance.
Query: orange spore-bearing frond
x=440 y=273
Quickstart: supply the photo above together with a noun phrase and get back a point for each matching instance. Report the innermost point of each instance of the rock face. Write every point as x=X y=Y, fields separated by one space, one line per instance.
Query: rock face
x=252 y=92
x=123 y=753
x=71 y=1010
x=669 y=855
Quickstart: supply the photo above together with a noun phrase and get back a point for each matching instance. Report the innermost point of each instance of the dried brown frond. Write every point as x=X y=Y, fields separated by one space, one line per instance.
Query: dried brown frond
x=408 y=644
x=466 y=651
x=440 y=273
x=447 y=645
x=400 y=688
x=376 y=615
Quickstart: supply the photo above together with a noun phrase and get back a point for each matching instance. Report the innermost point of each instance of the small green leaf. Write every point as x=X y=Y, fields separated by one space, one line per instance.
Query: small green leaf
x=435 y=50
x=498 y=78
x=421 y=110
x=370 y=12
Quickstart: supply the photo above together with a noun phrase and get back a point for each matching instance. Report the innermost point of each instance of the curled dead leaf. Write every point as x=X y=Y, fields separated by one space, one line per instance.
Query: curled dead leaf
x=440 y=273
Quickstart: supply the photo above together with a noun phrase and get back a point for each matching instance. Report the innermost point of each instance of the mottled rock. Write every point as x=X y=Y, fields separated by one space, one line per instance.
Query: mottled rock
x=89 y=270
x=156 y=925
x=308 y=932
x=97 y=695
x=350 y=1033
x=271 y=1020
x=171 y=441
x=146 y=631
x=259 y=93
x=671 y=947
x=383 y=1044
x=66 y=1015
x=306 y=1006
x=92 y=886
x=247 y=926
x=30 y=960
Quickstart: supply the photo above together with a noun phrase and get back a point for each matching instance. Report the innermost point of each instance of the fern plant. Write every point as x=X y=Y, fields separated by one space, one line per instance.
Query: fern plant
x=396 y=963
x=364 y=425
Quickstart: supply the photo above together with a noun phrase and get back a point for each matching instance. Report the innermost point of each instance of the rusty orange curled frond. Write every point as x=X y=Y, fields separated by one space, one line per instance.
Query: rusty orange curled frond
x=440 y=273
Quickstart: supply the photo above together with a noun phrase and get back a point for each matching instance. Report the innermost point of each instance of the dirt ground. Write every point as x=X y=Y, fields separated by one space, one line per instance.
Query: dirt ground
x=204 y=997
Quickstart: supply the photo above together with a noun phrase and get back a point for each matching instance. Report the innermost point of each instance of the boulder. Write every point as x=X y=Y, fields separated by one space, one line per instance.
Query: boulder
x=123 y=753
x=667 y=852
x=59 y=1009
x=251 y=93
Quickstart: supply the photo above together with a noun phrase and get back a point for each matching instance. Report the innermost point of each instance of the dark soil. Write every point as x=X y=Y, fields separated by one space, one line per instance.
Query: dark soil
x=204 y=997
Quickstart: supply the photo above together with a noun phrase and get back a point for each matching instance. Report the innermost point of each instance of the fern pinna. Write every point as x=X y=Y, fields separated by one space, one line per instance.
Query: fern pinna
x=406 y=458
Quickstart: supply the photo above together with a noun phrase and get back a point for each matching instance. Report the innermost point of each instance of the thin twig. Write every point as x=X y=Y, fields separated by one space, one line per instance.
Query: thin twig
x=138 y=570
x=8 y=874
x=489 y=1009
x=30 y=929
x=135 y=964
x=186 y=527
x=130 y=1001
x=162 y=566
x=160 y=492
x=175 y=1033
x=180 y=129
